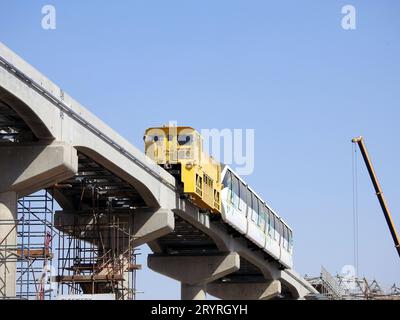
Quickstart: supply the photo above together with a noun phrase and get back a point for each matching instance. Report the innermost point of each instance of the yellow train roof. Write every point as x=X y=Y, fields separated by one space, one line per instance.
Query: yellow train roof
x=178 y=128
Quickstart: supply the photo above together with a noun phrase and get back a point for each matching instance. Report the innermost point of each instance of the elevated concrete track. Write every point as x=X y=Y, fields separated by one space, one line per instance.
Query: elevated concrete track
x=47 y=139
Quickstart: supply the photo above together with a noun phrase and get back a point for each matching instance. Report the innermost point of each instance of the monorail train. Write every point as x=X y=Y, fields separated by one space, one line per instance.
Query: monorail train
x=219 y=190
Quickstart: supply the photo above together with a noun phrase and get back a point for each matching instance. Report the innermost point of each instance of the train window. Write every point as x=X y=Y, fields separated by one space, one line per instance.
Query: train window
x=208 y=181
x=249 y=199
x=243 y=194
x=235 y=185
x=268 y=222
x=154 y=138
x=261 y=216
x=185 y=139
x=260 y=213
x=276 y=228
x=280 y=228
x=227 y=180
x=254 y=205
x=235 y=191
x=272 y=226
x=285 y=237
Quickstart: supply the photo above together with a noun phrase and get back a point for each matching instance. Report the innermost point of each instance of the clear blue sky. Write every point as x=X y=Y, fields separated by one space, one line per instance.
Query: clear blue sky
x=285 y=68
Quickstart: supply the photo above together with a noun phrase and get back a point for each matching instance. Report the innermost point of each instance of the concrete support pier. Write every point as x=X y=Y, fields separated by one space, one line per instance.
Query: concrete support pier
x=8 y=238
x=26 y=169
x=29 y=168
x=146 y=224
x=194 y=272
x=193 y=292
x=245 y=291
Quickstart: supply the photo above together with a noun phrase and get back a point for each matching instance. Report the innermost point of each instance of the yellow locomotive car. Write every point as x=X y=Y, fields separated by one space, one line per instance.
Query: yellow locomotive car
x=180 y=151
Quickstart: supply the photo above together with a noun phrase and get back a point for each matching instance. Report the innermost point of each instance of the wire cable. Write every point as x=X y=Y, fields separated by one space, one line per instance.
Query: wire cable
x=355 y=208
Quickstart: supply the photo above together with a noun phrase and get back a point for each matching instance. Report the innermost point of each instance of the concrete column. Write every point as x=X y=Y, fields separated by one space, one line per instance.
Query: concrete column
x=245 y=291
x=25 y=169
x=8 y=241
x=193 y=292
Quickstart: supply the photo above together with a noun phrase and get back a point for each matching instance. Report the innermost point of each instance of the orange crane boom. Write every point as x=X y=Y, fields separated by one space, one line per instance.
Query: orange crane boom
x=360 y=142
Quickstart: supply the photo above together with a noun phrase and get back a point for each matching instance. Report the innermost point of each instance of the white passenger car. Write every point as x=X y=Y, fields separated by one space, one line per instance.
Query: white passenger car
x=247 y=213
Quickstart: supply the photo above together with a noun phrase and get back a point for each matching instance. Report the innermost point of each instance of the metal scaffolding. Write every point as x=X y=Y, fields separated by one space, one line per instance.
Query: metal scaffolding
x=363 y=289
x=87 y=253
x=30 y=253
x=35 y=234
x=96 y=255
x=326 y=285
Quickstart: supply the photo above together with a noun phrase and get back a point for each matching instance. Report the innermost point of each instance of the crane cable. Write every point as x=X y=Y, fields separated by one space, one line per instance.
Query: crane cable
x=355 y=206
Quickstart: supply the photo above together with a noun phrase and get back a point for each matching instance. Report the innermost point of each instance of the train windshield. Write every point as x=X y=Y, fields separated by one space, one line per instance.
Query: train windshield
x=227 y=180
x=154 y=138
x=185 y=139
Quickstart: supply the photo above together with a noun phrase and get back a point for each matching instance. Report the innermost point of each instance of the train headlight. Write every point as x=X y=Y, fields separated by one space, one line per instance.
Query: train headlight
x=189 y=165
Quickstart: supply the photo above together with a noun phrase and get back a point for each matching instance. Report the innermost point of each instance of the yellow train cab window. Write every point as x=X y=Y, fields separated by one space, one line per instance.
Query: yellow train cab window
x=185 y=139
x=154 y=138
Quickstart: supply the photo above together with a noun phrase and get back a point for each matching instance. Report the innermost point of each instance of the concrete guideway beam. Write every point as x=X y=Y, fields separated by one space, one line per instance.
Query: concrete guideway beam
x=28 y=168
x=245 y=291
x=8 y=237
x=194 y=270
x=147 y=224
x=298 y=287
x=53 y=115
